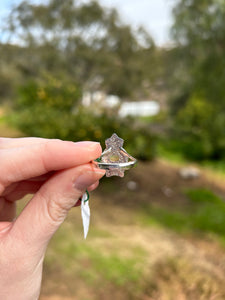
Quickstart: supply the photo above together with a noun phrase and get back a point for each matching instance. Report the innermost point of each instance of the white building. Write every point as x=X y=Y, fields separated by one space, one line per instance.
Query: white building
x=139 y=108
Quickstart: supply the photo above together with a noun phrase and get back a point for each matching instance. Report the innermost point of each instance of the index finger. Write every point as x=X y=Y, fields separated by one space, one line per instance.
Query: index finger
x=6 y=143
x=25 y=162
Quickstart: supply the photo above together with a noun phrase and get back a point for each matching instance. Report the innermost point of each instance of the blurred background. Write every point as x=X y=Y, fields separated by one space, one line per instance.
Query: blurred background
x=154 y=73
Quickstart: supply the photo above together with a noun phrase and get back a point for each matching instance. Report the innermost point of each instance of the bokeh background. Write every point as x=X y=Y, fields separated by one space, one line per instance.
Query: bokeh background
x=82 y=70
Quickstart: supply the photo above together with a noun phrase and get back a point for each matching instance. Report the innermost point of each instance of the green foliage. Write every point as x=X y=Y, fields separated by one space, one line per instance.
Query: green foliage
x=205 y=214
x=199 y=97
x=84 y=41
x=199 y=130
x=51 y=109
x=52 y=94
x=82 y=47
x=199 y=30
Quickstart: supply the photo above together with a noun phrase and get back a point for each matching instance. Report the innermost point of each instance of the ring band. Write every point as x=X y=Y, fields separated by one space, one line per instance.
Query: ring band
x=113 y=165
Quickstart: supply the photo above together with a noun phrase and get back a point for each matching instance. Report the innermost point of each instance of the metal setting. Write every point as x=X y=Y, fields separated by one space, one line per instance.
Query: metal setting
x=115 y=159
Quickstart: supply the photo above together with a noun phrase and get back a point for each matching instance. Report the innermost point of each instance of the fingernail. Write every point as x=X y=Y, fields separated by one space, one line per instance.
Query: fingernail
x=90 y=145
x=87 y=179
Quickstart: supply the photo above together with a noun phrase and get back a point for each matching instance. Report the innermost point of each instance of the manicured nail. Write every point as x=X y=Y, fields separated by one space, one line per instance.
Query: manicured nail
x=87 y=179
x=90 y=145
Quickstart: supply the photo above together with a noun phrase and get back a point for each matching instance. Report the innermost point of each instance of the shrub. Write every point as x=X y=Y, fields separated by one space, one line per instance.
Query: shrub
x=199 y=130
x=52 y=109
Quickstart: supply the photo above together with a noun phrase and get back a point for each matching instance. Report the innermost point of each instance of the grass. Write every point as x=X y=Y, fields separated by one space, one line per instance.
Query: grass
x=98 y=261
x=177 y=278
x=94 y=264
x=115 y=269
x=204 y=214
x=157 y=215
x=172 y=156
x=217 y=167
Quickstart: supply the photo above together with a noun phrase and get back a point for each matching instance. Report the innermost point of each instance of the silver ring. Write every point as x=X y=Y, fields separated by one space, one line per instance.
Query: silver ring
x=123 y=165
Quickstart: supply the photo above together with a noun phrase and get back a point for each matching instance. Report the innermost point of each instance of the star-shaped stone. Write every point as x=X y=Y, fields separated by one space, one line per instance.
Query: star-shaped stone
x=114 y=142
x=114 y=155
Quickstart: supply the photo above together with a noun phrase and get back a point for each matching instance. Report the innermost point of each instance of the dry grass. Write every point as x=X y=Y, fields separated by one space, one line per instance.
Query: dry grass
x=164 y=265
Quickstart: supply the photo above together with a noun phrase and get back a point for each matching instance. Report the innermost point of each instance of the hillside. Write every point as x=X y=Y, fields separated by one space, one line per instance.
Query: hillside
x=142 y=244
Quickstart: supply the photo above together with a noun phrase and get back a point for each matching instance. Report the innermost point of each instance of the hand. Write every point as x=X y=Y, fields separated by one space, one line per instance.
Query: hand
x=57 y=173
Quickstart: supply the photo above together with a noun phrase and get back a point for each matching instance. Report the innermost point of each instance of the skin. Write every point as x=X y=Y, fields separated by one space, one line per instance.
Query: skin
x=57 y=173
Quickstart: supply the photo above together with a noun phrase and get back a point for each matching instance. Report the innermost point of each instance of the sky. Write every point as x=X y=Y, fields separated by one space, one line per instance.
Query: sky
x=154 y=15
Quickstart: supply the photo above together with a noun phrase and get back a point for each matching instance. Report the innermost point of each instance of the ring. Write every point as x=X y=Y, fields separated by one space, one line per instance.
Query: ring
x=116 y=165
x=115 y=160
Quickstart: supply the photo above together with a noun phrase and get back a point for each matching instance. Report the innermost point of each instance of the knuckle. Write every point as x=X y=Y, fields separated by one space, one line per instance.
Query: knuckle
x=58 y=208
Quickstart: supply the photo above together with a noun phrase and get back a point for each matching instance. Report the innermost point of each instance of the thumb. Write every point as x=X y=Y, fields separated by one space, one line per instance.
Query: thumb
x=49 y=207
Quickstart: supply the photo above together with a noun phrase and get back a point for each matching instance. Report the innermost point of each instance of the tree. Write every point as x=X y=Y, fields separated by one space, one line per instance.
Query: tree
x=63 y=48
x=86 y=42
x=199 y=103
x=199 y=31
